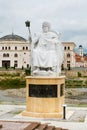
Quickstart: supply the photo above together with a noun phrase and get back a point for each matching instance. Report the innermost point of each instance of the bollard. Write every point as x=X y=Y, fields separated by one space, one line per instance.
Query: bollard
x=64 y=111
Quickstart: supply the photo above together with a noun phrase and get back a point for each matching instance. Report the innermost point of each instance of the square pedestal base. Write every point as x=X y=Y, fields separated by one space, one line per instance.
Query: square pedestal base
x=44 y=97
x=42 y=115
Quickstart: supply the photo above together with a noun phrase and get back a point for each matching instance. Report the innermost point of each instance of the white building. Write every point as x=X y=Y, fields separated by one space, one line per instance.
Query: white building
x=14 y=51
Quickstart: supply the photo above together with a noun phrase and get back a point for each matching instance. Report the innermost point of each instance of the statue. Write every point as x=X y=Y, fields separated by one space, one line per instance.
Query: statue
x=47 y=52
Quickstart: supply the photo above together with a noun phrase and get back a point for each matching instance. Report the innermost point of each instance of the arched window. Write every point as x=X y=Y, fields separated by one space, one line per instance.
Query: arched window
x=4 y=55
x=23 y=48
x=6 y=48
x=7 y=55
x=15 y=63
x=26 y=48
x=68 y=55
x=65 y=48
x=15 y=55
x=68 y=62
x=15 y=48
x=2 y=48
x=68 y=48
x=9 y=48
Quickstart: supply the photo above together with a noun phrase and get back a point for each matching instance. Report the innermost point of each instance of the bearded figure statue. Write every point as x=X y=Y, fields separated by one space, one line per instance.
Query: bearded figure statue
x=47 y=52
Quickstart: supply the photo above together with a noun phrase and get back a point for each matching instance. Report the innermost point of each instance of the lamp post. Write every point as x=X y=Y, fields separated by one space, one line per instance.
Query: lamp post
x=28 y=25
x=64 y=111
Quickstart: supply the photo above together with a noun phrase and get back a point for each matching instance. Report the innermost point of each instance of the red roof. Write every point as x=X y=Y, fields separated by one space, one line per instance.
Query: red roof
x=79 y=58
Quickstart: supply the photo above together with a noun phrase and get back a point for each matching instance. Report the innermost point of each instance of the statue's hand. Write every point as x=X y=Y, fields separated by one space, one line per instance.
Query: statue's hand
x=36 y=43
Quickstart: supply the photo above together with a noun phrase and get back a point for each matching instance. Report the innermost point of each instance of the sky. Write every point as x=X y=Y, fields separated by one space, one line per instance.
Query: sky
x=68 y=17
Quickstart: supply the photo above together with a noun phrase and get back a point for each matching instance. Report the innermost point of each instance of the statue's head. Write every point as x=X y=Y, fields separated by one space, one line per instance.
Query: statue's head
x=46 y=26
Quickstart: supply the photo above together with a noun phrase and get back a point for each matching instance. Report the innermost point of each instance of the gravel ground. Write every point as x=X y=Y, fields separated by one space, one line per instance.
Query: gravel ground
x=12 y=96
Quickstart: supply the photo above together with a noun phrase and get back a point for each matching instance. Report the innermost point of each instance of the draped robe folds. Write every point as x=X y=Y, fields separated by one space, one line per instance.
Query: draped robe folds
x=47 y=51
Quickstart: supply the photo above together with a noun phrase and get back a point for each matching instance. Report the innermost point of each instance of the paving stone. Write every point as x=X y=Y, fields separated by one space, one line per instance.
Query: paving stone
x=1 y=126
x=50 y=128
x=58 y=128
x=32 y=126
x=42 y=127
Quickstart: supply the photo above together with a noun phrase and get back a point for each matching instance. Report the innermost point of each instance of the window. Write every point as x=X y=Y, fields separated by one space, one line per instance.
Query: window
x=65 y=48
x=7 y=55
x=68 y=55
x=5 y=48
x=68 y=48
x=27 y=65
x=15 y=48
x=68 y=65
x=26 y=48
x=2 y=48
x=15 y=55
x=68 y=61
x=9 y=48
x=15 y=63
x=23 y=48
x=4 y=55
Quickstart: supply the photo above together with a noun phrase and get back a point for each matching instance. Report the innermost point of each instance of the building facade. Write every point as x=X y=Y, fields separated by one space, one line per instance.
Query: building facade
x=14 y=51
x=81 y=61
x=69 y=55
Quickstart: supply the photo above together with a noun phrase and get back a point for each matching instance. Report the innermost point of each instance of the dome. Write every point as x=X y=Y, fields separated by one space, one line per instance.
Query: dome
x=12 y=37
x=80 y=46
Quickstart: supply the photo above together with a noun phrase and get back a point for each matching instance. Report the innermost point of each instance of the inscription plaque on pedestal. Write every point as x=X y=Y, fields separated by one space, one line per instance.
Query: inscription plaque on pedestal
x=42 y=91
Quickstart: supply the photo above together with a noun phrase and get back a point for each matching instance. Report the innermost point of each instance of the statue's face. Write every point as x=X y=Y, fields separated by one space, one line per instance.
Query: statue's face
x=45 y=29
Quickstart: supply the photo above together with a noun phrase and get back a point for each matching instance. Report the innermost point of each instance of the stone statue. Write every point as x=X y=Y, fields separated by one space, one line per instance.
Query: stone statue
x=47 y=52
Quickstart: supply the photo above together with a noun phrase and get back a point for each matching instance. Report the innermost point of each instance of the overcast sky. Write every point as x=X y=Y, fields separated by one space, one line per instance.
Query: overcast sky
x=69 y=17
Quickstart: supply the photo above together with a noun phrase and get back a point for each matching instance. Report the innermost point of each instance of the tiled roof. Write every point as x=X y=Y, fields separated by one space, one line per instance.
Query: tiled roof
x=80 y=58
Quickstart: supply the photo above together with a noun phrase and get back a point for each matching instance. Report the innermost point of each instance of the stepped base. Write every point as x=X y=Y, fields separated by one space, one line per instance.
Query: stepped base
x=42 y=115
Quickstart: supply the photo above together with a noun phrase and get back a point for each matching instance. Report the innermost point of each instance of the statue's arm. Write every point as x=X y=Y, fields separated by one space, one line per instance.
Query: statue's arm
x=53 y=40
x=35 y=42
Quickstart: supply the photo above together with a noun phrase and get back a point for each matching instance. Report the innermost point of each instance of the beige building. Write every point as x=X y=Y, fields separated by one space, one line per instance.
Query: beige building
x=69 y=54
x=14 y=51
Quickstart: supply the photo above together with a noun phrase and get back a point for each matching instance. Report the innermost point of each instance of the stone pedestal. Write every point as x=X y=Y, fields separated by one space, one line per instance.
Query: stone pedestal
x=44 y=97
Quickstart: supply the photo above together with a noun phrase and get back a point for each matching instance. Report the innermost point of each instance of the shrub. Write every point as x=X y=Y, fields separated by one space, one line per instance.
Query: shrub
x=28 y=71
x=79 y=74
x=10 y=83
x=74 y=83
x=86 y=82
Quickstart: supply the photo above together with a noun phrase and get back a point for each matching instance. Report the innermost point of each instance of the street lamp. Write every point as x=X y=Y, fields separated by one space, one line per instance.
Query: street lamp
x=64 y=111
x=28 y=25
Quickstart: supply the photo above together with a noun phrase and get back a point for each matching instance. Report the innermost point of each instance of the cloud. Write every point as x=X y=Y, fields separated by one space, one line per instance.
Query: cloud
x=67 y=17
